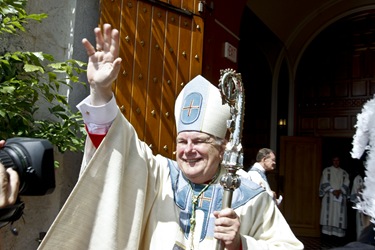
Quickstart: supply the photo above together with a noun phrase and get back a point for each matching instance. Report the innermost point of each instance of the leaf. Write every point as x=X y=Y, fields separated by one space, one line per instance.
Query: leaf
x=33 y=68
x=26 y=77
x=16 y=57
x=7 y=90
x=40 y=55
x=37 y=17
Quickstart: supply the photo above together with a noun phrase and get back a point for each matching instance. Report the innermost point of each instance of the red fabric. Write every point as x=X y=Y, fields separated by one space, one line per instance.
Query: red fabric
x=96 y=139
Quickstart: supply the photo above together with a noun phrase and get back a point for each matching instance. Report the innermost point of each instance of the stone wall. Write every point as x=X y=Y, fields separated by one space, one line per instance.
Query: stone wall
x=59 y=35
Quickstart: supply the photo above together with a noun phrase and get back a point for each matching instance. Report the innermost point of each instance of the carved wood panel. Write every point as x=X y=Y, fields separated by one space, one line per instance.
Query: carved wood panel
x=336 y=78
x=161 y=44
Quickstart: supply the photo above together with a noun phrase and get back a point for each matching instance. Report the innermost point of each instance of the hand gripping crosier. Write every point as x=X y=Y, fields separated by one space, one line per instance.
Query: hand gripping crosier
x=232 y=92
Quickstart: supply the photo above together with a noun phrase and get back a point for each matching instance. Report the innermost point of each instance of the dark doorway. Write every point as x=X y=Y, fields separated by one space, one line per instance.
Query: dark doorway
x=341 y=147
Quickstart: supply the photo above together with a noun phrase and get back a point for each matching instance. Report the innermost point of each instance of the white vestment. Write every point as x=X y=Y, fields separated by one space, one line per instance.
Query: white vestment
x=333 y=216
x=260 y=179
x=124 y=200
x=357 y=188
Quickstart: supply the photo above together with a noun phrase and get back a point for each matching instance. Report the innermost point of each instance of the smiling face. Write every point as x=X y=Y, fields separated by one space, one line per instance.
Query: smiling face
x=198 y=155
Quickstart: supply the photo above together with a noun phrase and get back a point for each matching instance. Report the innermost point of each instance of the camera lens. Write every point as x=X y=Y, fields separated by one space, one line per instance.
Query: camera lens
x=13 y=157
x=33 y=160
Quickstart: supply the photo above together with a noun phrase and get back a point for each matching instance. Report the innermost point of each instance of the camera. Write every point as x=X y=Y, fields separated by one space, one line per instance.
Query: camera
x=33 y=160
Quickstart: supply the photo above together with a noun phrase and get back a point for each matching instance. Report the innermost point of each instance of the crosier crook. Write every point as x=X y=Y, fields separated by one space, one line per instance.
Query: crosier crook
x=232 y=92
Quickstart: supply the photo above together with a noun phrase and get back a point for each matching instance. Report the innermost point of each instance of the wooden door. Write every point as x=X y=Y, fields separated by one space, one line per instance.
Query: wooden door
x=300 y=170
x=161 y=44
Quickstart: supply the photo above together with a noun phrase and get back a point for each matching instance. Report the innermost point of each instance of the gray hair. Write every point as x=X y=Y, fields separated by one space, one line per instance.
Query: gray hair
x=262 y=153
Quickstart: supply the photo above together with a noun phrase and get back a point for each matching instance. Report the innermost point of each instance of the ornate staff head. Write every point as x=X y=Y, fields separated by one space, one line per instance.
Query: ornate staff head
x=232 y=92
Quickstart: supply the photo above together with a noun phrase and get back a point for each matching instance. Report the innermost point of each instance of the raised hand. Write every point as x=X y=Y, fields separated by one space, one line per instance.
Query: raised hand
x=104 y=64
x=227 y=226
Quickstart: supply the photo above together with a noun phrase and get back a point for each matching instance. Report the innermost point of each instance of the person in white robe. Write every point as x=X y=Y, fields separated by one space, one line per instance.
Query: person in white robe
x=128 y=198
x=355 y=195
x=265 y=161
x=334 y=190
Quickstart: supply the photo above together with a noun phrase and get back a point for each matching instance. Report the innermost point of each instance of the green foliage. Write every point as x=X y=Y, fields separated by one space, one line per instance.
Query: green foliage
x=13 y=16
x=28 y=79
x=25 y=81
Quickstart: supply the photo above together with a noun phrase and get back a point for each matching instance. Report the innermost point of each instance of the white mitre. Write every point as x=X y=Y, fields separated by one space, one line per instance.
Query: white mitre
x=199 y=107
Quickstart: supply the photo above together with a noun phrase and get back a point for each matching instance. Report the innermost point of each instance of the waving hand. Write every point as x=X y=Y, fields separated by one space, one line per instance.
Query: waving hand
x=104 y=64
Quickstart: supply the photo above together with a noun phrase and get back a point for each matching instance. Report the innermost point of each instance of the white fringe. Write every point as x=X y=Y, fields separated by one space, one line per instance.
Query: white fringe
x=364 y=140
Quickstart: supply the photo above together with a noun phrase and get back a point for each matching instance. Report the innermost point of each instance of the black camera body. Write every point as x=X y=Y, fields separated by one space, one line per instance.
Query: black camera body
x=34 y=162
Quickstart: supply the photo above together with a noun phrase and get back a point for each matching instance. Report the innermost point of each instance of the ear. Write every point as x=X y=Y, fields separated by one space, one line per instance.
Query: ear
x=263 y=159
x=223 y=147
x=221 y=152
x=221 y=156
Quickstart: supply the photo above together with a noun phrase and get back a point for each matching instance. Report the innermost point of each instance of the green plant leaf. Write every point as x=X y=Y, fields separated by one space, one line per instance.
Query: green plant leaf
x=32 y=68
x=26 y=77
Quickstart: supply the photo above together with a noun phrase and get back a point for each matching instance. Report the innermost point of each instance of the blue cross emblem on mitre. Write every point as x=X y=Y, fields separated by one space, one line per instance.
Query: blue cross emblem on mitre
x=191 y=108
x=199 y=107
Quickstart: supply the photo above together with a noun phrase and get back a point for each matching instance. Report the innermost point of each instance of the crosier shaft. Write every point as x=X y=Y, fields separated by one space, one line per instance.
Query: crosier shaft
x=232 y=93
